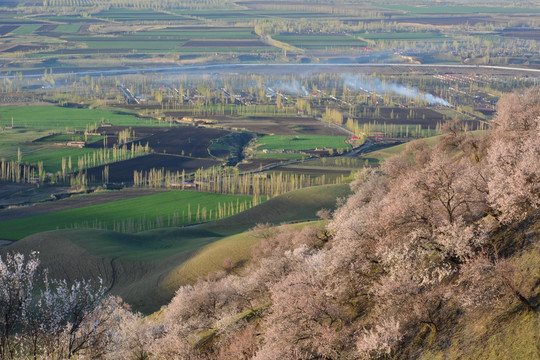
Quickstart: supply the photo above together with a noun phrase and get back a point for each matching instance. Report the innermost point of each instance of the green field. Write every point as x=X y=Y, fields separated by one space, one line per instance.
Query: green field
x=167 y=40
x=13 y=139
x=301 y=142
x=25 y=29
x=69 y=28
x=52 y=160
x=131 y=214
x=56 y=118
x=280 y=156
x=52 y=157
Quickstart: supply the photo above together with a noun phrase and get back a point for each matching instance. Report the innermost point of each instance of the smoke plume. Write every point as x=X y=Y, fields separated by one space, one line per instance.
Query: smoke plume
x=292 y=87
x=370 y=84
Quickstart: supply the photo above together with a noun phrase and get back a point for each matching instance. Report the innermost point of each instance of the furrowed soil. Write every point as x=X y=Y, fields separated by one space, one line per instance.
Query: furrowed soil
x=122 y=171
x=185 y=140
x=282 y=125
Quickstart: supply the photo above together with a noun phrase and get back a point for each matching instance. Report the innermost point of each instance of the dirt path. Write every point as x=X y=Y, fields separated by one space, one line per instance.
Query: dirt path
x=73 y=203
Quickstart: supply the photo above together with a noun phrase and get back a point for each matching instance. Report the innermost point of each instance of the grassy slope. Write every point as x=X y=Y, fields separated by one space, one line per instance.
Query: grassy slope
x=210 y=258
x=379 y=156
x=386 y=153
x=136 y=265
x=500 y=331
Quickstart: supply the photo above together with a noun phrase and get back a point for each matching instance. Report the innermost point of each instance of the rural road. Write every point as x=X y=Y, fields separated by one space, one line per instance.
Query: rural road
x=293 y=68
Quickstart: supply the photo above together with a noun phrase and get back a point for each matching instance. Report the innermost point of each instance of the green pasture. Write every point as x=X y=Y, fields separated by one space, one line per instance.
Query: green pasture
x=151 y=209
x=301 y=142
x=57 y=118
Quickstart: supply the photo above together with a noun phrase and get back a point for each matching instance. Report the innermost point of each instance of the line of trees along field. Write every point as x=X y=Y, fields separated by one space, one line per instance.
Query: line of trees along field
x=228 y=180
x=103 y=156
x=193 y=215
x=427 y=256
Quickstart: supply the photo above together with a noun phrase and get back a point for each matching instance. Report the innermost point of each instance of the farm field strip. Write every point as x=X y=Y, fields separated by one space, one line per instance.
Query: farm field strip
x=56 y=118
x=138 y=45
x=317 y=42
x=281 y=156
x=25 y=29
x=123 y=171
x=68 y=28
x=173 y=208
x=231 y=43
x=301 y=142
x=64 y=138
x=52 y=161
x=137 y=15
x=13 y=139
x=204 y=33
x=413 y=36
x=461 y=9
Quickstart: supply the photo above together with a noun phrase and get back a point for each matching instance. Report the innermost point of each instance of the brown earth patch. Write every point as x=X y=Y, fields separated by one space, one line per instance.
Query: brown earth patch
x=122 y=171
x=282 y=125
x=184 y=140
x=47 y=28
x=256 y=164
x=6 y=29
